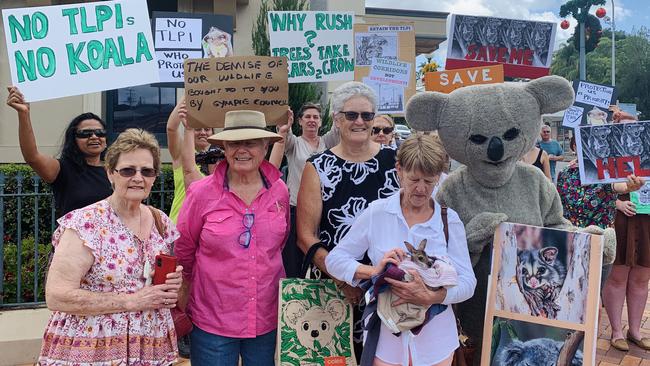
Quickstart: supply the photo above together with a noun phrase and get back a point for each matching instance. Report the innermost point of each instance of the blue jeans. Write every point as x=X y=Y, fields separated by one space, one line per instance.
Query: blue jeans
x=209 y=349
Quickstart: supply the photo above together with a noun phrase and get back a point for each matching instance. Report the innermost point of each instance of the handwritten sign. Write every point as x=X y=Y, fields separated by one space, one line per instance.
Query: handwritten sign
x=181 y=36
x=573 y=116
x=317 y=44
x=450 y=80
x=214 y=86
x=594 y=94
x=390 y=71
x=64 y=50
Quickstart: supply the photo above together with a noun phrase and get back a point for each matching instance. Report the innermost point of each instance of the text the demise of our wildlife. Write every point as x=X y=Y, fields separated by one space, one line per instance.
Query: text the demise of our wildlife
x=84 y=56
x=333 y=58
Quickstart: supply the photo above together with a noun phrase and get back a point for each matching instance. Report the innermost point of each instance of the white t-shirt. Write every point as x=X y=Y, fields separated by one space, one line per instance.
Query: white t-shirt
x=381 y=228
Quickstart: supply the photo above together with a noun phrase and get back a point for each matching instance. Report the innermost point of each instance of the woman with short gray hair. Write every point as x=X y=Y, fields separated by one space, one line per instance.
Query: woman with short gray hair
x=338 y=184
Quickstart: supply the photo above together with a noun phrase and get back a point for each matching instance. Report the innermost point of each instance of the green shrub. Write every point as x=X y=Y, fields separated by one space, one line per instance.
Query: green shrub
x=28 y=266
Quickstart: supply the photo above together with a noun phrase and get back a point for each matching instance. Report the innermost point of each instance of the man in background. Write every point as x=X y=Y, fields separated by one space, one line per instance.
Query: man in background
x=552 y=148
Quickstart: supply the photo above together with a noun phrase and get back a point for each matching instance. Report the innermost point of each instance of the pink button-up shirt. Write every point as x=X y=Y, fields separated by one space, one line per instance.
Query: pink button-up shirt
x=233 y=289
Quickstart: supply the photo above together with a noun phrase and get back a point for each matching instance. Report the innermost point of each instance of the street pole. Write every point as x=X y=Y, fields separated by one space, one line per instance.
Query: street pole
x=583 y=60
x=613 y=47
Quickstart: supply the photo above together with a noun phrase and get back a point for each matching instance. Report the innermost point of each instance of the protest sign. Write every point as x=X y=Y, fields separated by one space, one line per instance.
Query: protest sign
x=385 y=61
x=317 y=44
x=593 y=101
x=214 y=86
x=450 y=80
x=609 y=153
x=525 y=48
x=64 y=50
x=181 y=36
x=551 y=313
x=641 y=199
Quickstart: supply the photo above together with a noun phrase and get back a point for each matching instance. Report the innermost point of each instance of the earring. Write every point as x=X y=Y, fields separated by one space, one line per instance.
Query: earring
x=112 y=185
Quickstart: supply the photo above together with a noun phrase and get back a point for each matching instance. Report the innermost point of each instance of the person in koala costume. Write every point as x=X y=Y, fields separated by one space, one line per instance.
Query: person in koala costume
x=488 y=128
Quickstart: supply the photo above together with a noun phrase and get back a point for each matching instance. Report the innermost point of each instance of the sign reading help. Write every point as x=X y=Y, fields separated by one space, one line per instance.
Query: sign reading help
x=214 y=86
x=64 y=50
x=317 y=44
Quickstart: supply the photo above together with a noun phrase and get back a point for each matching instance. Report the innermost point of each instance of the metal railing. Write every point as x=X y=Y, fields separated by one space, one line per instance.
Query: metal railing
x=27 y=221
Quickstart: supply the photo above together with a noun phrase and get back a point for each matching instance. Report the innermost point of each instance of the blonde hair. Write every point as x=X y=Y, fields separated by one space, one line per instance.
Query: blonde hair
x=130 y=140
x=387 y=118
x=423 y=153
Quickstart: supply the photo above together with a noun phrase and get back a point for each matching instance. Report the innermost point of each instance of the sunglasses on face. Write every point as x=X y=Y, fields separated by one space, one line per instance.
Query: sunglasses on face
x=352 y=116
x=245 y=238
x=84 y=134
x=130 y=172
x=385 y=130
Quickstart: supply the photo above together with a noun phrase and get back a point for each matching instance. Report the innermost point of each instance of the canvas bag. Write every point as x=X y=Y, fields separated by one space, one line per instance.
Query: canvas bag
x=314 y=324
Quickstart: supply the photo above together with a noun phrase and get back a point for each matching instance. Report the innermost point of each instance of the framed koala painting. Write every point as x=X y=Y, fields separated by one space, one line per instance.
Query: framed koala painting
x=543 y=297
x=314 y=325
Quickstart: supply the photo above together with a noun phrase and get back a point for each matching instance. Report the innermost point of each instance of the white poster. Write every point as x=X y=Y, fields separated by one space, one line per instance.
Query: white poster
x=594 y=94
x=173 y=33
x=390 y=97
x=64 y=50
x=319 y=45
x=371 y=45
x=390 y=71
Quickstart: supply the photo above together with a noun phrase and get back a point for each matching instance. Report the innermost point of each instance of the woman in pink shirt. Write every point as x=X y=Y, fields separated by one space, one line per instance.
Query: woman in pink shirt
x=233 y=226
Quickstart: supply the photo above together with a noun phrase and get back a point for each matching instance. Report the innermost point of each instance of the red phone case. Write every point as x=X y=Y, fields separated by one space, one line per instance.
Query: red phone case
x=164 y=264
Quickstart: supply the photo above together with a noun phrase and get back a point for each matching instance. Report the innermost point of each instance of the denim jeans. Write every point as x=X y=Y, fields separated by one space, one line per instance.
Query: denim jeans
x=209 y=349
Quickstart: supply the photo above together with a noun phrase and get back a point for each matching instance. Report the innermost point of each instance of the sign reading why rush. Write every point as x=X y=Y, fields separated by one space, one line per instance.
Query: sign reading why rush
x=450 y=80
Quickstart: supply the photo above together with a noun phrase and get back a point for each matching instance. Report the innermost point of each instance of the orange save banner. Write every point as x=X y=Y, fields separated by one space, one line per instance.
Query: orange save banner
x=450 y=80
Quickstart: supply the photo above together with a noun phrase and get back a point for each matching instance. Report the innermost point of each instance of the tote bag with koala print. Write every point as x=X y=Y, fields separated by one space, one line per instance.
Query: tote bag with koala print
x=314 y=324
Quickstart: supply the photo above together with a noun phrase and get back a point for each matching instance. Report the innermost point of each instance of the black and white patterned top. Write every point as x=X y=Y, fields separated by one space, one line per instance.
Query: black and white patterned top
x=348 y=188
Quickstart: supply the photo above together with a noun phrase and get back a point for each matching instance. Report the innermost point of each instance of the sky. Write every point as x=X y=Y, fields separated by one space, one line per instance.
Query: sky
x=629 y=14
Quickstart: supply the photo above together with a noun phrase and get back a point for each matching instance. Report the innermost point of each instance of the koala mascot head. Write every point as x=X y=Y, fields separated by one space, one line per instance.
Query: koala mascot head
x=490 y=127
x=315 y=324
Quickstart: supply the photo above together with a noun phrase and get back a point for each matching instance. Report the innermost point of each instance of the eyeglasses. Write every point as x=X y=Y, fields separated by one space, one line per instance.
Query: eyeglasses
x=245 y=238
x=385 y=130
x=84 y=134
x=352 y=116
x=130 y=172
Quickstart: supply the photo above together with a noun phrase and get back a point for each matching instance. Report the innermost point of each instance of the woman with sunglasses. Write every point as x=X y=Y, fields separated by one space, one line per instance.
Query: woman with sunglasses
x=79 y=164
x=298 y=149
x=339 y=183
x=383 y=130
x=233 y=226
x=104 y=312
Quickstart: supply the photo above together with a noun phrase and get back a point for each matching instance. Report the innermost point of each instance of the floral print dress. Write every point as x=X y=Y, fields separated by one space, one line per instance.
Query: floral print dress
x=593 y=204
x=144 y=338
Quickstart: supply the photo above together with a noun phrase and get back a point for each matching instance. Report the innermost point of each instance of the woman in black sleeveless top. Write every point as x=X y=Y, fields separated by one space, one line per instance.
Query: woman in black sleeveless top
x=539 y=158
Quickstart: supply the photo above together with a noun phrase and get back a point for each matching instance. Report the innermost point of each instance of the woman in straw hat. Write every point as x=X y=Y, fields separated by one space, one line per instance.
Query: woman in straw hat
x=233 y=226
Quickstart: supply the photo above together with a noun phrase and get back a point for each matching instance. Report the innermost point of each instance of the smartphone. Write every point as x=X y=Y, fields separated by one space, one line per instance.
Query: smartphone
x=164 y=264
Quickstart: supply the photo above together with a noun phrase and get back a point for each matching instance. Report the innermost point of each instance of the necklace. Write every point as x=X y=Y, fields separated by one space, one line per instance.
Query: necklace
x=137 y=233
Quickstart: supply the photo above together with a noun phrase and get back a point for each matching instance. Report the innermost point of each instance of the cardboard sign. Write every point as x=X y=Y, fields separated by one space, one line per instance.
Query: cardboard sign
x=609 y=153
x=525 y=48
x=553 y=311
x=317 y=44
x=182 y=36
x=593 y=101
x=64 y=50
x=450 y=80
x=641 y=199
x=214 y=86
x=385 y=61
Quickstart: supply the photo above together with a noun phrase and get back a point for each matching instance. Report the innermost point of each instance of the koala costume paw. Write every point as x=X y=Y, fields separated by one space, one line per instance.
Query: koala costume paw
x=609 y=245
x=480 y=231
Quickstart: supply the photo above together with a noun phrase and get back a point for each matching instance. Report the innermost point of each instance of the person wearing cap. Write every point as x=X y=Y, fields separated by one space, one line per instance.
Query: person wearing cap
x=380 y=231
x=233 y=226
x=298 y=149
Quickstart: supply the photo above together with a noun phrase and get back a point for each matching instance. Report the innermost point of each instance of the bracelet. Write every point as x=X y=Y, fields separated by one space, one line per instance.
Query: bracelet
x=309 y=256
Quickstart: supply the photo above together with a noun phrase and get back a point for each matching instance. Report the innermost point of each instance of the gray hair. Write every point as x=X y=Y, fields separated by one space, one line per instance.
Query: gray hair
x=350 y=90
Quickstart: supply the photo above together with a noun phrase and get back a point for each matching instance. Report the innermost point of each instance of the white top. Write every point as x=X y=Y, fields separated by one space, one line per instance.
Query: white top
x=298 y=150
x=381 y=228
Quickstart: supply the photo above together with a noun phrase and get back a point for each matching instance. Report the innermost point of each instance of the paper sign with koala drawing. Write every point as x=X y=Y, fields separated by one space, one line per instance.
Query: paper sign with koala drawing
x=181 y=36
x=543 y=298
x=641 y=199
x=314 y=325
x=591 y=106
x=609 y=153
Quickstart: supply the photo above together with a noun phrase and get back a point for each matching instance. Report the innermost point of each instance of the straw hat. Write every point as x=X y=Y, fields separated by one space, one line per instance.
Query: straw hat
x=243 y=125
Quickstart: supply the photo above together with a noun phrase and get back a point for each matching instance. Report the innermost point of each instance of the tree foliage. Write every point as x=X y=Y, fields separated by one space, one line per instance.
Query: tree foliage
x=299 y=93
x=632 y=66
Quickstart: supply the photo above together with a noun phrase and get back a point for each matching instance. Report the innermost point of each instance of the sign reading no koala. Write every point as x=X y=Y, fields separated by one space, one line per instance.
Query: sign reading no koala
x=58 y=51
x=214 y=86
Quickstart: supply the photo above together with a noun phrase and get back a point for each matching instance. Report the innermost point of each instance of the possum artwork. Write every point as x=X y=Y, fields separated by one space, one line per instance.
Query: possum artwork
x=540 y=351
x=217 y=43
x=540 y=277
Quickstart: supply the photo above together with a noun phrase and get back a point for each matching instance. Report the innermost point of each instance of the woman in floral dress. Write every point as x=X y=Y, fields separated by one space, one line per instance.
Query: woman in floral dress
x=103 y=310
